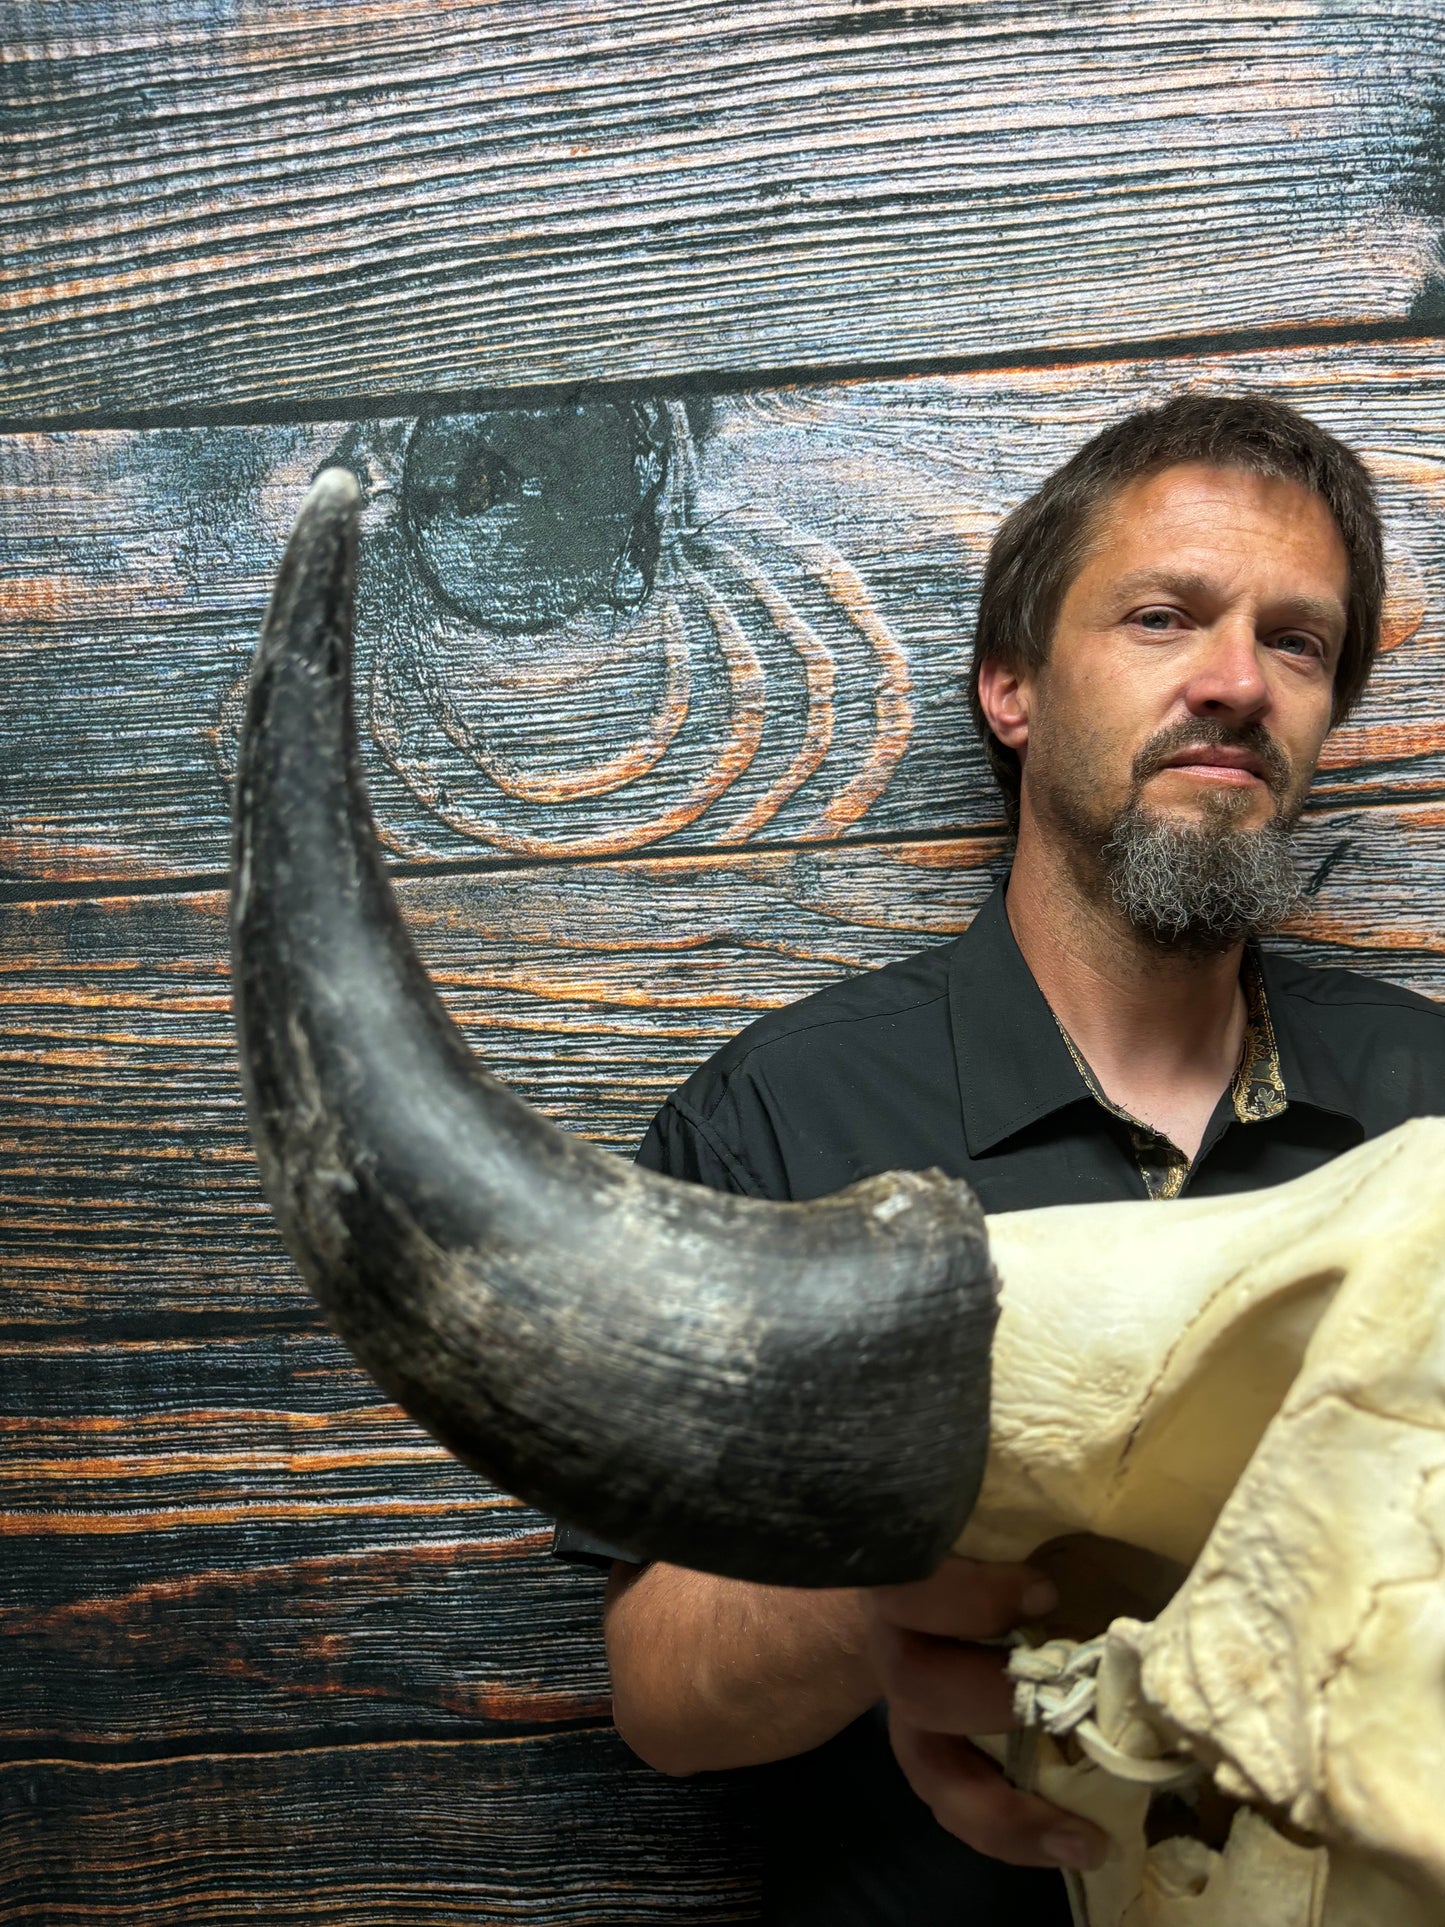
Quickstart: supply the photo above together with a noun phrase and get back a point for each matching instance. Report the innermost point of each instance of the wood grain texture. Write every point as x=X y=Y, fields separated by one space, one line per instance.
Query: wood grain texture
x=591 y=988
x=561 y=1830
x=181 y=1578
x=221 y=1541
x=607 y=627
x=283 y=202
x=686 y=667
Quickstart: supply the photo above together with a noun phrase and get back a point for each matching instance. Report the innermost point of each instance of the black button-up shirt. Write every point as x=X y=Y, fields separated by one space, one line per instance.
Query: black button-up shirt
x=953 y=1058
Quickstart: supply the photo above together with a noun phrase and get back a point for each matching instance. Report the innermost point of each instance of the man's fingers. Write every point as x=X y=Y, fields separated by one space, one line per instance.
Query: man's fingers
x=942 y=1685
x=970 y=1798
x=919 y=1637
x=939 y=1688
x=967 y=1599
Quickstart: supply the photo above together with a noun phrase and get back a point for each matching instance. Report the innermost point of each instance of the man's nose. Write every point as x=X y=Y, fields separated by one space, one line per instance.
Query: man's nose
x=1226 y=675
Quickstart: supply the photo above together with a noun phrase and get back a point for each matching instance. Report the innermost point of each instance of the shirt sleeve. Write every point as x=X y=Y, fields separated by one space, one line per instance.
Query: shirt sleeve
x=581 y=1549
x=680 y=1144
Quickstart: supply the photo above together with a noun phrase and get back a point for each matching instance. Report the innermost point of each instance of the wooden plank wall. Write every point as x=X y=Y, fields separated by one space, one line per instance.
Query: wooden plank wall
x=688 y=358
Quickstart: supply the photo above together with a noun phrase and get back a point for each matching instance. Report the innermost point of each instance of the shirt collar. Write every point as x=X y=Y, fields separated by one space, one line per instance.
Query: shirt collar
x=1013 y=1064
x=1256 y=1092
x=1308 y=1068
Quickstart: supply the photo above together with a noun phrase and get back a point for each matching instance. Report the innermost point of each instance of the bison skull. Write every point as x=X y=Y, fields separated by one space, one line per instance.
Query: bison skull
x=1252 y=1391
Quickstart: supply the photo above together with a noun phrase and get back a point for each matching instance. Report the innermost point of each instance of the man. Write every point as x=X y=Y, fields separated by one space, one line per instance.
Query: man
x=1166 y=633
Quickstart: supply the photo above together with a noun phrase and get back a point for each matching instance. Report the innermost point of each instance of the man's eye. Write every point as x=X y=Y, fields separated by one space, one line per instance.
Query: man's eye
x=1158 y=619
x=1297 y=645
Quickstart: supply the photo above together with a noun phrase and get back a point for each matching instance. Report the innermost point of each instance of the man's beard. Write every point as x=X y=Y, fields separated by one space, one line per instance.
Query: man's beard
x=1200 y=886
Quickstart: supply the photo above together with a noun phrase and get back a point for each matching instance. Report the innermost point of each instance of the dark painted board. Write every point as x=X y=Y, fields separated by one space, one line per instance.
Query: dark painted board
x=218 y=1535
x=233 y=1540
x=216 y=1530
x=603 y=628
x=212 y=204
x=127 y=1175
x=243 y=1599
x=567 y=1830
x=179 y=1577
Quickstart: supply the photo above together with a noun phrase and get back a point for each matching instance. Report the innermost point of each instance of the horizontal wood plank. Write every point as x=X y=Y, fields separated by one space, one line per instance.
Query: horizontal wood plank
x=567 y=1830
x=215 y=1540
x=745 y=621
x=127 y=1178
x=288 y=202
x=272 y=1653
x=180 y=1578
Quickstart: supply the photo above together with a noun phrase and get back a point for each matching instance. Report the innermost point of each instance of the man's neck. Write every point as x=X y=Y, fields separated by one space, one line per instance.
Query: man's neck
x=1160 y=1030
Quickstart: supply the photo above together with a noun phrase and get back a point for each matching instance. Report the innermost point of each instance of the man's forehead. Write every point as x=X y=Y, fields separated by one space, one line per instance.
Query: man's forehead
x=1223 y=494
x=1198 y=525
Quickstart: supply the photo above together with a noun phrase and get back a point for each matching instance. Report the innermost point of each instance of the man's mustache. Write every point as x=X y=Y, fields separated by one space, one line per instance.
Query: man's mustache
x=1207 y=733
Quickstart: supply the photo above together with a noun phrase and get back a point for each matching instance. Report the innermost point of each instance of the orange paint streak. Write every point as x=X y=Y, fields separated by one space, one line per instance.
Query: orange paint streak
x=1419 y=816
x=1352 y=931
x=255 y=1460
x=893 y=709
x=970 y=853
x=371 y=1570
x=1357 y=743
x=818 y=669
x=20 y=1525
x=103 y=1425
x=67 y=997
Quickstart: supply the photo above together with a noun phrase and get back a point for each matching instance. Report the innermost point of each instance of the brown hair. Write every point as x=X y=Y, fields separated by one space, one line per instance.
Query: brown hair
x=1039 y=547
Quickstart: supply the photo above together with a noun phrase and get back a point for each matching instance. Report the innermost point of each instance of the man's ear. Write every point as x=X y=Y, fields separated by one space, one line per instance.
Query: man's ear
x=1005 y=696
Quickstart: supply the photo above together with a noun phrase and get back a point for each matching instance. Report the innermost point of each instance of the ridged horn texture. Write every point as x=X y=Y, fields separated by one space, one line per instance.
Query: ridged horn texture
x=786 y=1393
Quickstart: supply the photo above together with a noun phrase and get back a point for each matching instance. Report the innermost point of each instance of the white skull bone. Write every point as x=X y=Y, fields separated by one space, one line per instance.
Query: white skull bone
x=1252 y=1387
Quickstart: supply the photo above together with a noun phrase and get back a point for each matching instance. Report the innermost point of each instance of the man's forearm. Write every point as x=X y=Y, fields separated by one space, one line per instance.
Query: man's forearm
x=710 y=1673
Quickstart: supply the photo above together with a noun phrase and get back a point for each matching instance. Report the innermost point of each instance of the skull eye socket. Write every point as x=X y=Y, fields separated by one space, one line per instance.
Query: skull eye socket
x=1100 y=1580
x=521 y=518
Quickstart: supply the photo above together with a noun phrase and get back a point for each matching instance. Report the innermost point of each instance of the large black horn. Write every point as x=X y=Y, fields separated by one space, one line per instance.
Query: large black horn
x=786 y=1393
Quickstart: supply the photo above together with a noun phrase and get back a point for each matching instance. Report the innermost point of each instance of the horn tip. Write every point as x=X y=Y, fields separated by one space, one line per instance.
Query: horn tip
x=334 y=488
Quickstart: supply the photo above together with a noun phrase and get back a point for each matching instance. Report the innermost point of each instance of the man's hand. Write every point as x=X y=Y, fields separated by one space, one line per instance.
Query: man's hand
x=940 y=1689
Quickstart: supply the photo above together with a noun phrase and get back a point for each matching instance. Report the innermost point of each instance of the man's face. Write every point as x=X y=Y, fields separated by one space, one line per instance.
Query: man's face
x=1193 y=661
